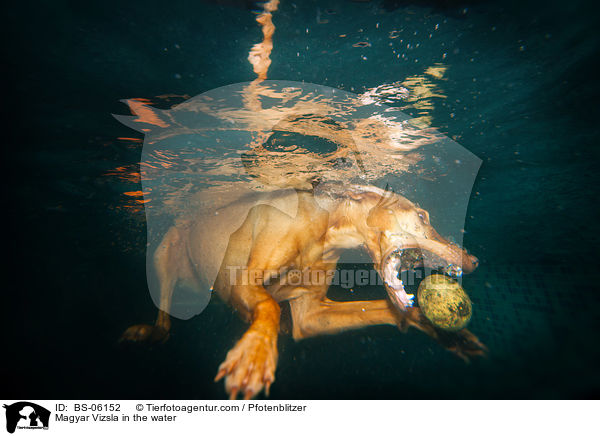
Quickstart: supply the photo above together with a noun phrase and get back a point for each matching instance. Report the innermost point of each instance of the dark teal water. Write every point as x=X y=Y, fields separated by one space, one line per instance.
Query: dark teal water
x=521 y=93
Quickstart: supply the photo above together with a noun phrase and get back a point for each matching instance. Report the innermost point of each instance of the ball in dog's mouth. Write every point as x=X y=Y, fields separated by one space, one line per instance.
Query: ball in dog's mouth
x=405 y=259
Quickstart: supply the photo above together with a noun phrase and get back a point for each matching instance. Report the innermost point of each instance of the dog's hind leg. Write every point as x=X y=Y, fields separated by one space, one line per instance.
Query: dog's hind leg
x=170 y=264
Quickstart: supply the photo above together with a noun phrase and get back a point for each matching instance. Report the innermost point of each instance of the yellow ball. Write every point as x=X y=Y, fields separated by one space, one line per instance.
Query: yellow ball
x=444 y=302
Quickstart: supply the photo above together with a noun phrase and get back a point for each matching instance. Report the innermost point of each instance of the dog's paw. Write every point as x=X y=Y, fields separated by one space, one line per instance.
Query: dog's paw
x=143 y=333
x=463 y=343
x=250 y=366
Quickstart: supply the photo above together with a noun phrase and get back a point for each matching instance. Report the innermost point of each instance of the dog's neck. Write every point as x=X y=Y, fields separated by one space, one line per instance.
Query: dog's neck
x=348 y=228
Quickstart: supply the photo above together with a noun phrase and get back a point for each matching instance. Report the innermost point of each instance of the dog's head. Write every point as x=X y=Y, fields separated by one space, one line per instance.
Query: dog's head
x=401 y=238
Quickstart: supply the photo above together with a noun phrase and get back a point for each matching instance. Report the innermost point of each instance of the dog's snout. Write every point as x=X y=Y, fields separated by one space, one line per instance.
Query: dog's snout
x=469 y=263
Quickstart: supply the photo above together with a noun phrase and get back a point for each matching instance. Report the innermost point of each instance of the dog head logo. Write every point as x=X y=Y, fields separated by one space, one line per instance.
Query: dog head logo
x=26 y=415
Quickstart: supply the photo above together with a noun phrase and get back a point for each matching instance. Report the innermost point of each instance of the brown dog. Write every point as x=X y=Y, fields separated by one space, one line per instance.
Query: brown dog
x=288 y=233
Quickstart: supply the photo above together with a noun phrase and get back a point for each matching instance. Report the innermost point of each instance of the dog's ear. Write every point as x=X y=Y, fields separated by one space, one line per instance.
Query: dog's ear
x=388 y=198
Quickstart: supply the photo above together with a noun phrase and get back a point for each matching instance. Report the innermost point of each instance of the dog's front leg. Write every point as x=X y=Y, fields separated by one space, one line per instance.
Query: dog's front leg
x=268 y=241
x=250 y=364
x=315 y=316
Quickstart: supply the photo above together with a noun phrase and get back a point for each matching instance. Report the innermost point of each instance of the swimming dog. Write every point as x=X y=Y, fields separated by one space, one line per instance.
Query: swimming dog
x=290 y=232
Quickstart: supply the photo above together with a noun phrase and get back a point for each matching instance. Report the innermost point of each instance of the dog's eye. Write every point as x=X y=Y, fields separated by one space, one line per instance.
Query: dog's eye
x=422 y=217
